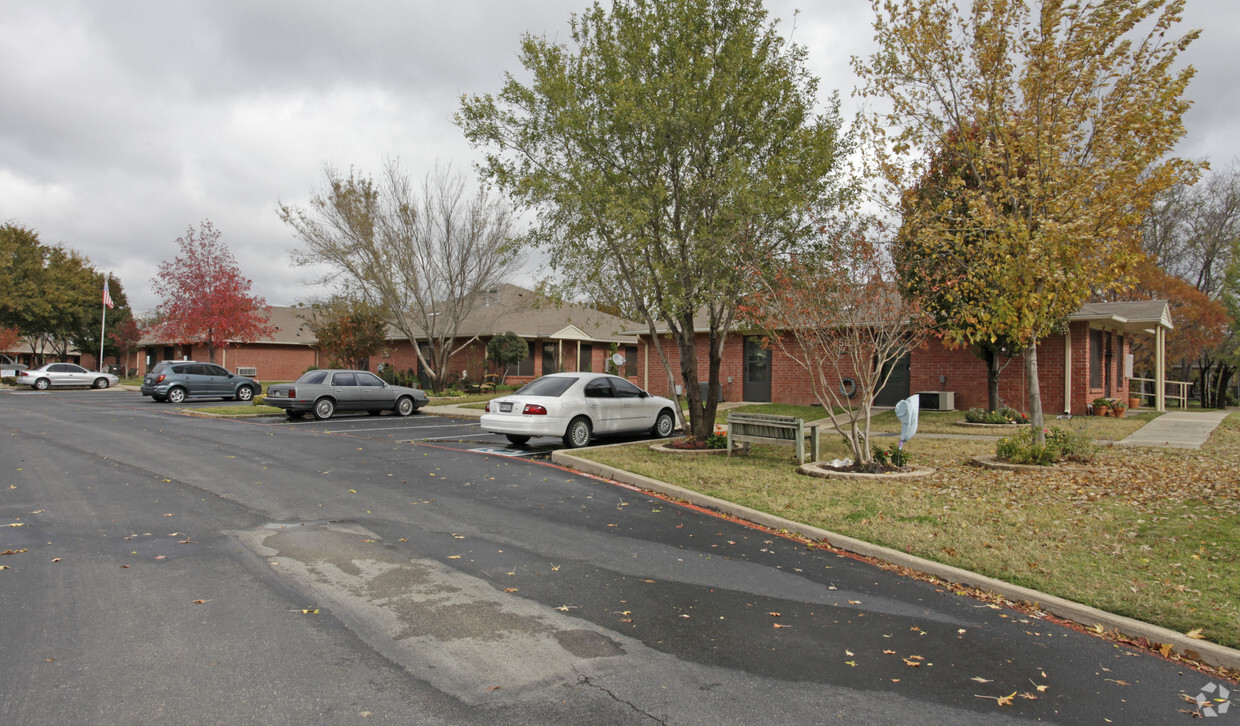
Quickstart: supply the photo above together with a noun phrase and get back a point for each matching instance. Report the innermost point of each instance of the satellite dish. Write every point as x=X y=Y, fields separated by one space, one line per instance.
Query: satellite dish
x=618 y=360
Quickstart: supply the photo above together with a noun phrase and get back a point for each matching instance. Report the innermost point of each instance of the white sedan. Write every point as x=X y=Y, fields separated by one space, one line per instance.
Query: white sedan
x=576 y=406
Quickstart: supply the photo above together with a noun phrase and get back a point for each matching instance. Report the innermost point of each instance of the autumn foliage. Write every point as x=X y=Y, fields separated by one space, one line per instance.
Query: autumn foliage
x=204 y=297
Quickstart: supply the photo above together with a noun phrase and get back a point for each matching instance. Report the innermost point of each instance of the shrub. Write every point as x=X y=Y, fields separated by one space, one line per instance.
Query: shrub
x=1061 y=444
x=1005 y=415
x=1075 y=445
x=1020 y=448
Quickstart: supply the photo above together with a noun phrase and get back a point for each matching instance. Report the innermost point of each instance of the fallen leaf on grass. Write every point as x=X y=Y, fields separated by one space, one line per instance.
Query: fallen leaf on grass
x=1195 y=634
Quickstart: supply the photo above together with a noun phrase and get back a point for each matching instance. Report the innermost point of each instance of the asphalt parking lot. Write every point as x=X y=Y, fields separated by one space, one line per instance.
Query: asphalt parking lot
x=416 y=570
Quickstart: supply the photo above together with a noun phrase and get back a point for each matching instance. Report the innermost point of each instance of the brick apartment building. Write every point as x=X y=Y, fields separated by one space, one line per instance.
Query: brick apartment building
x=1092 y=359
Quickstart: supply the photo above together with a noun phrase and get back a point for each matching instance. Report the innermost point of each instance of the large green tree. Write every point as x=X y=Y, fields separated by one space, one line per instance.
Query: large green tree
x=1077 y=106
x=950 y=272
x=670 y=147
x=47 y=292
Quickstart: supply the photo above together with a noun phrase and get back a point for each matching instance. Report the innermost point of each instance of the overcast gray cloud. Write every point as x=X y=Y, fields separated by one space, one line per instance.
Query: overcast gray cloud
x=124 y=123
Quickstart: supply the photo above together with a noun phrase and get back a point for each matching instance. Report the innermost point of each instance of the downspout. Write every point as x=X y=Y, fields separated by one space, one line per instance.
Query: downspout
x=1067 y=371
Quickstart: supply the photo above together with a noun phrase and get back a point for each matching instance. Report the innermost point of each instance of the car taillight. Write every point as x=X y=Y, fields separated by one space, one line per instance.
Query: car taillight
x=22 y=373
x=159 y=378
x=533 y=409
x=488 y=408
x=292 y=393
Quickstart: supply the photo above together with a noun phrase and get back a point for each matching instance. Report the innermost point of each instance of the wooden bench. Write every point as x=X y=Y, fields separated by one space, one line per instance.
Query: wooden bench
x=745 y=428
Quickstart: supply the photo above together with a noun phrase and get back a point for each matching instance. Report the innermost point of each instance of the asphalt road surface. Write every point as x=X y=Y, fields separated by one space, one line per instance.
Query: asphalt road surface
x=164 y=568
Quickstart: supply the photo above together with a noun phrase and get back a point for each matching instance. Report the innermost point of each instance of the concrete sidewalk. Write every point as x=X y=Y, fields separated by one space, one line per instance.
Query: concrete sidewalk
x=1177 y=430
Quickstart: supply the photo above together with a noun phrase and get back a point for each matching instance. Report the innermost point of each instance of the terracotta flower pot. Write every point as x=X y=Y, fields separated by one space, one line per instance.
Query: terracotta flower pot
x=1134 y=401
x=1102 y=410
x=1119 y=412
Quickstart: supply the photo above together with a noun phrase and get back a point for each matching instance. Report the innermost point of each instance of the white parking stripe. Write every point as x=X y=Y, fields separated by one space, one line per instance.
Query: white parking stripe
x=397 y=428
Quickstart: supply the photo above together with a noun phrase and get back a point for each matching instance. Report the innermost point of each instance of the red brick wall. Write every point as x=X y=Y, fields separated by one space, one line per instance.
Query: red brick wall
x=934 y=367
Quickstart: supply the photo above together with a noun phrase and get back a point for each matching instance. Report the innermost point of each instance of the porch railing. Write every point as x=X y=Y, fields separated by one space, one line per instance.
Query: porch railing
x=1146 y=388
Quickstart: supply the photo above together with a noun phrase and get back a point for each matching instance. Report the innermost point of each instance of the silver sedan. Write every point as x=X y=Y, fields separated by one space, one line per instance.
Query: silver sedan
x=577 y=406
x=64 y=374
x=323 y=392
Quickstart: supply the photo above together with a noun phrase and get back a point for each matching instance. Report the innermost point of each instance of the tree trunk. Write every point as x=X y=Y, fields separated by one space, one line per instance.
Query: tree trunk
x=686 y=344
x=991 y=356
x=1034 y=391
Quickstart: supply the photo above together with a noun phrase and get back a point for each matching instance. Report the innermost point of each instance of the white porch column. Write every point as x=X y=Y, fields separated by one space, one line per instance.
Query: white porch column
x=1160 y=373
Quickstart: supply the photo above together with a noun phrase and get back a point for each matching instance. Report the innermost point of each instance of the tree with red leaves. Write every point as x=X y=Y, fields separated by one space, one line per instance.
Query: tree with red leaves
x=205 y=299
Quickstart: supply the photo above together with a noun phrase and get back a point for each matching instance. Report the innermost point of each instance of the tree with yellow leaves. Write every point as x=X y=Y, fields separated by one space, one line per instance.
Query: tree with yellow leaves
x=1059 y=117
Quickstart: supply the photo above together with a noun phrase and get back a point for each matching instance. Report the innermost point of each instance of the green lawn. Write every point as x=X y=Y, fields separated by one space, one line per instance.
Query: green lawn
x=1151 y=534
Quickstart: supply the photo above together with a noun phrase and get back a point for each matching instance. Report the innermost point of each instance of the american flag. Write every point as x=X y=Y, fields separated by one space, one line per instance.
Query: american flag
x=107 y=299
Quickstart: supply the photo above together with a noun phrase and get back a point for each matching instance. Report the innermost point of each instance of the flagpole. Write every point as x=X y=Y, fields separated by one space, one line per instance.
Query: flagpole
x=103 y=322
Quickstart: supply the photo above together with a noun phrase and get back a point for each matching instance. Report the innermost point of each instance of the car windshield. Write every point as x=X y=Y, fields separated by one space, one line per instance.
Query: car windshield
x=313 y=377
x=550 y=386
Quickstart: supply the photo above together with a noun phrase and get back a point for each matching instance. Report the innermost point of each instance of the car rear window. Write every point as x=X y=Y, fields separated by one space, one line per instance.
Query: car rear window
x=313 y=377
x=547 y=386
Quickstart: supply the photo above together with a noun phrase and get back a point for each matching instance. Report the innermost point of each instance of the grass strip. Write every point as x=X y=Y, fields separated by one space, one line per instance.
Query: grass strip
x=1152 y=534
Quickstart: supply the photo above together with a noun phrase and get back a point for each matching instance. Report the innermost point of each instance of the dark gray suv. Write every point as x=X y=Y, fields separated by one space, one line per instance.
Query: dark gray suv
x=177 y=380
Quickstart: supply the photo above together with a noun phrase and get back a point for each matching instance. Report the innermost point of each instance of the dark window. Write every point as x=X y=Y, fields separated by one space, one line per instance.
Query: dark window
x=313 y=377
x=215 y=371
x=630 y=361
x=59 y=368
x=585 y=355
x=369 y=379
x=547 y=386
x=344 y=379
x=599 y=388
x=624 y=389
x=181 y=370
x=526 y=366
x=550 y=361
x=1095 y=358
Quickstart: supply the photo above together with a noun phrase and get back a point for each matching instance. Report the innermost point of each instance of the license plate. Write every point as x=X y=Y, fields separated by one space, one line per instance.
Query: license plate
x=505 y=408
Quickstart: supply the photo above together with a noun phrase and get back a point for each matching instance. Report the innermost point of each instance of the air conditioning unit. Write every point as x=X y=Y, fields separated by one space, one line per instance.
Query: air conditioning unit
x=937 y=400
x=250 y=371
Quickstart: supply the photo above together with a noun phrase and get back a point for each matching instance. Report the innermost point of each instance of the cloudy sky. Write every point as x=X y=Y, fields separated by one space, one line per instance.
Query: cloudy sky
x=123 y=123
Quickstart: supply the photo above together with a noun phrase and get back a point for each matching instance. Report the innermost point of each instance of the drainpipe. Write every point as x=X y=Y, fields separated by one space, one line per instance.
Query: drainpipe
x=1067 y=371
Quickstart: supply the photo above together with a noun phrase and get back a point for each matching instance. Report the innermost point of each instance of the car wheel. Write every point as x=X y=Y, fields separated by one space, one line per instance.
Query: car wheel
x=294 y=415
x=577 y=434
x=664 y=424
x=176 y=395
x=517 y=439
x=100 y=383
x=245 y=393
x=324 y=408
x=405 y=406
x=42 y=384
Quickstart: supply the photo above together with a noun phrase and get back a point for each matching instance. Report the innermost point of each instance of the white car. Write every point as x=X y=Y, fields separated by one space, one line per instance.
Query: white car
x=576 y=406
x=64 y=374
